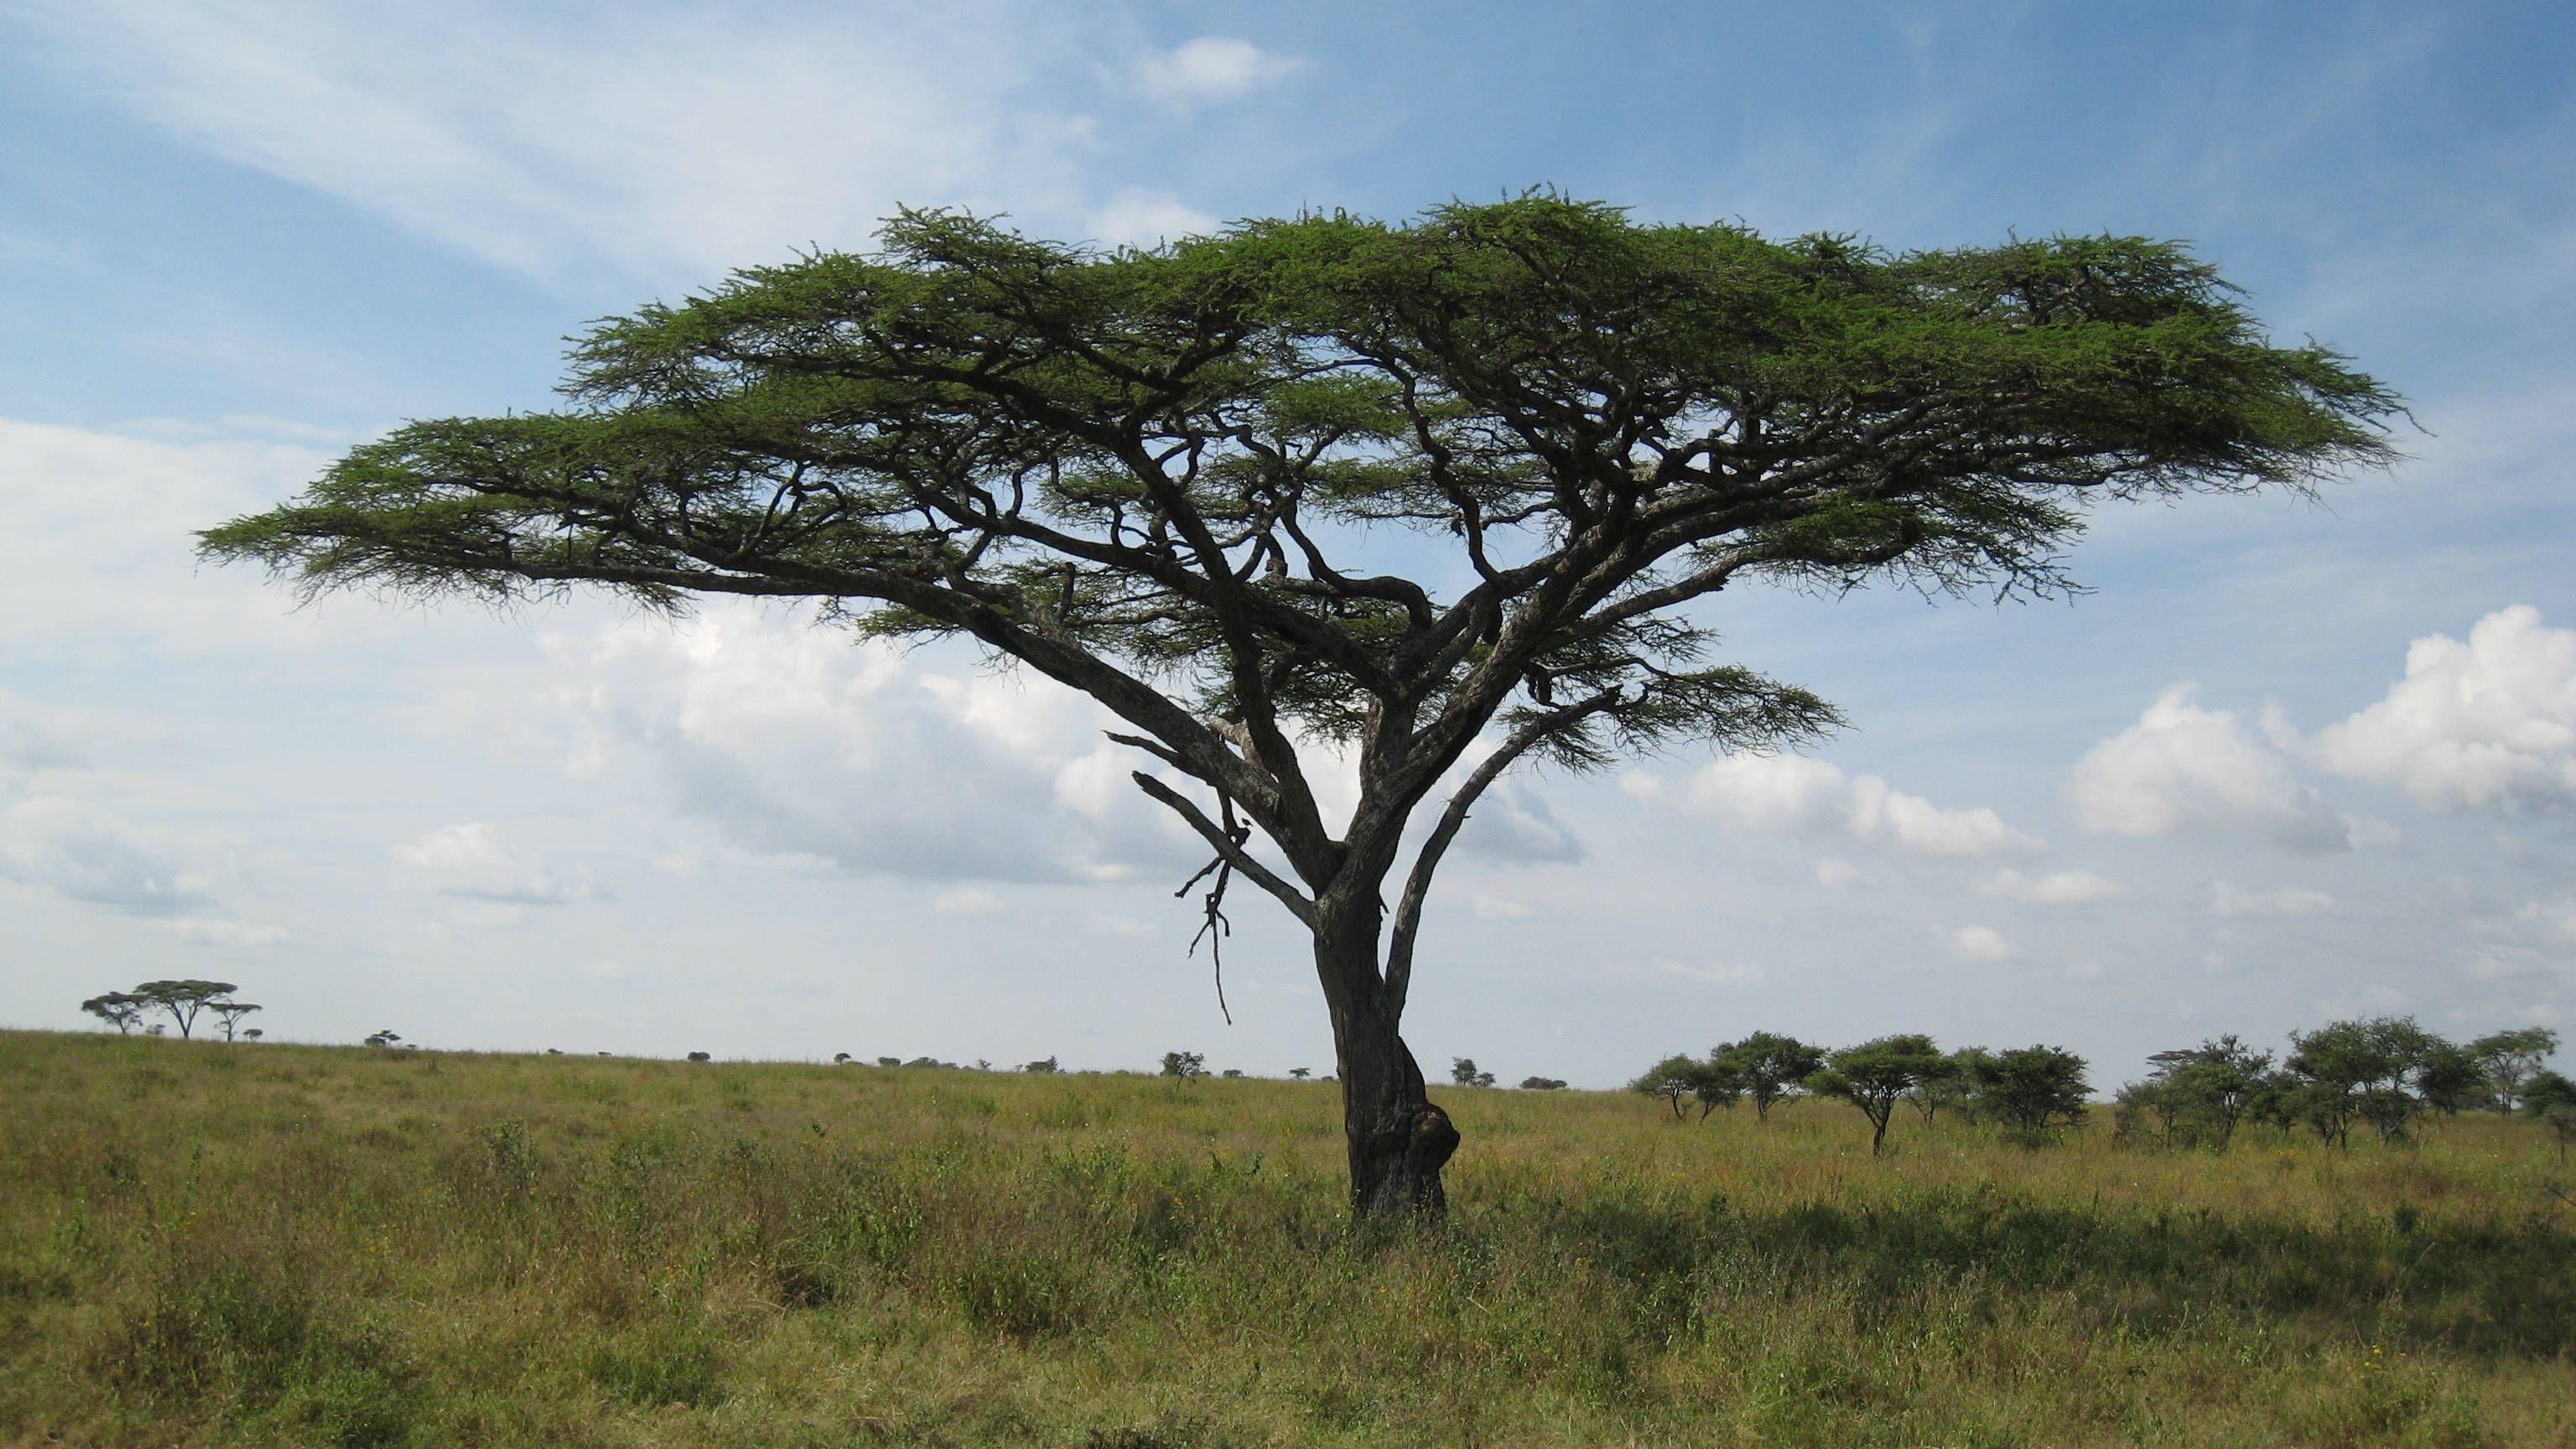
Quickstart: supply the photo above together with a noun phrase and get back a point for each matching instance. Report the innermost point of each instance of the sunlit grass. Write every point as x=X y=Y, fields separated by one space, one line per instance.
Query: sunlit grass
x=203 y=1244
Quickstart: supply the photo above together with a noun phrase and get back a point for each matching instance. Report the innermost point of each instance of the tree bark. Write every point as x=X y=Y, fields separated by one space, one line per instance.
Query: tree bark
x=1398 y=1139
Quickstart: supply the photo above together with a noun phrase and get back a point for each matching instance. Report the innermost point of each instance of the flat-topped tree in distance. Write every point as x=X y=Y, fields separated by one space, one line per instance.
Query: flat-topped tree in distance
x=231 y=1013
x=184 y=999
x=1203 y=484
x=120 y=1009
x=1769 y=1066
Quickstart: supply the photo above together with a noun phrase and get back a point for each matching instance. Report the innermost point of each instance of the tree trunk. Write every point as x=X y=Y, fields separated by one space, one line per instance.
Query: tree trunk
x=1397 y=1138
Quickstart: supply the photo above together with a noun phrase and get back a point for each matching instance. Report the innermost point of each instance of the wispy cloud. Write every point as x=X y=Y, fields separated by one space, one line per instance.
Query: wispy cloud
x=1211 y=69
x=673 y=144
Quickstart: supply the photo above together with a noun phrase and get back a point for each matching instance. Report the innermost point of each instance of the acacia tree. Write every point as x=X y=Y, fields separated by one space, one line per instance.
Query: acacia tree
x=231 y=1013
x=2510 y=1058
x=1769 y=1066
x=1201 y=485
x=1875 y=1075
x=2031 y=1090
x=120 y=1009
x=1675 y=1077
x=184 y=999
x=2204 y=1091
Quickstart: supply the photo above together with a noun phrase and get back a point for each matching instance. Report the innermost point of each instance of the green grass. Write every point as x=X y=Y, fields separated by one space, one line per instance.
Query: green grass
x=208 y=1245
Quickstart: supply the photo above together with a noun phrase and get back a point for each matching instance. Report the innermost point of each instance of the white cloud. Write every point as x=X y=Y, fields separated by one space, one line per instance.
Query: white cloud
x=1980 y=943
x=2554 y=918
x=1767 y=792
x=100 y=549
x=2184 y=768
x=1781 y=792
x=1834 y=873
x=1140 y=217
x=472 y=861
x=2058 y=888
x=799 y=744
x=1211 y=68
x=37 y=737
x=1710 y=975
x=2227 y=900
x=680 y=139
x=965 y=901
x=1919 y=827
x=78 y=851
x=2485 y=725
x=1513 y=824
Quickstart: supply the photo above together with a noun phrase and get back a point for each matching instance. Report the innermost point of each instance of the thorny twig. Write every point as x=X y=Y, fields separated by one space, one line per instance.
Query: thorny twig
x=1215 y=928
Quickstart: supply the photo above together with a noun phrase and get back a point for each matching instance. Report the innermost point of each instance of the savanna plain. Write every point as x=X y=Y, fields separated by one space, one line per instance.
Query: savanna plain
x=213 y=1244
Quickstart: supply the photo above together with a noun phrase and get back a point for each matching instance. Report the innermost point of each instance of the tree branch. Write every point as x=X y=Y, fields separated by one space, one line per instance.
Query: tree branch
x=1417 y=883
x=1228 y=849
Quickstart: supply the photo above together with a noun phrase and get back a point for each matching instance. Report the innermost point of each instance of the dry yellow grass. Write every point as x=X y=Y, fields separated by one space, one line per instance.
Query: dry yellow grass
x=202 y=1245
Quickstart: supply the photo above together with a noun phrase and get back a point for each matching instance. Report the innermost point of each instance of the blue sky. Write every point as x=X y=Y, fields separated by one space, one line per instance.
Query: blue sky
x=2290 y=761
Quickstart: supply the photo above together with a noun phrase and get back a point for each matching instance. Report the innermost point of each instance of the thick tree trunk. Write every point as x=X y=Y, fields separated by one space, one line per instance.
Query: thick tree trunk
x=1397 y=1138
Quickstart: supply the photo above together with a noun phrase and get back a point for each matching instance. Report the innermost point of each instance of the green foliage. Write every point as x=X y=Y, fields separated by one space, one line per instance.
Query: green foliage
x=1185 y=1066
x=969 y=404
x=1464 y=1073
x=2384 y=1071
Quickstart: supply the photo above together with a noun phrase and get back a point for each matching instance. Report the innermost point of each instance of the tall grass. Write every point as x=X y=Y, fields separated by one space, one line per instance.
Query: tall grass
x=203 y=1244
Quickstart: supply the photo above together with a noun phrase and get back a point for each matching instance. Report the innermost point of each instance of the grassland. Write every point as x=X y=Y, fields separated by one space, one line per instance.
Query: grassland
x=210 y=1245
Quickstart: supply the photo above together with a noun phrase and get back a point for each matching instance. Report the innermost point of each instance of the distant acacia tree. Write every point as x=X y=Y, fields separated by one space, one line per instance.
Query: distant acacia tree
x=1185 y=1066
x=1947 y=1084
x=2510 y=1059
x=1769 y=1066
x=1463 y=1072
x=2384 y=1070
x=1675 y=1077
x=1300 y=1073
x=1168 y=478
x=1875 y=1075
x=1043 y=1068
x=384 y=1038
x=1542 y=1084
x=2031 y=1090
x=120 y=1009
x=2551 y=1098
x=183 y=1000
x=231 y=1013
x=2200 y=1094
